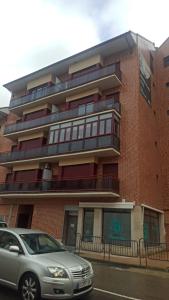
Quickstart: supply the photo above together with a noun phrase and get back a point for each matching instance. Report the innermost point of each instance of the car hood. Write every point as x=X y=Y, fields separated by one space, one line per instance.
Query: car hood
x=65 y=259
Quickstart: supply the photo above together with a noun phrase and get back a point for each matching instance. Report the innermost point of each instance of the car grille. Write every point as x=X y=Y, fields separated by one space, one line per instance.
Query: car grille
x=83 y=273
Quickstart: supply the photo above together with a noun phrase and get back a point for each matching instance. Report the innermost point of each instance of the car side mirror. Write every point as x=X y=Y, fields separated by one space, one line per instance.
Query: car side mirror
x=14 y=249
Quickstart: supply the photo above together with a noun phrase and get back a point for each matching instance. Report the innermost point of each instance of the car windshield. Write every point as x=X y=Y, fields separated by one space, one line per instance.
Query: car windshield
x=40 y=243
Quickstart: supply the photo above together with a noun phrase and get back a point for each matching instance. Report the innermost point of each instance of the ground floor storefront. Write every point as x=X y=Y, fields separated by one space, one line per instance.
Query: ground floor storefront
x=89 y=218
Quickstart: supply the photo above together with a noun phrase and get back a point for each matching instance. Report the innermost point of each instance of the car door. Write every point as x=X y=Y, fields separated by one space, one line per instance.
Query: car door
x=9 y=261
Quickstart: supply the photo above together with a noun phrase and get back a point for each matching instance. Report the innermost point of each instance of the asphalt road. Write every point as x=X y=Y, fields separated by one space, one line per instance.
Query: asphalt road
x=118 y=283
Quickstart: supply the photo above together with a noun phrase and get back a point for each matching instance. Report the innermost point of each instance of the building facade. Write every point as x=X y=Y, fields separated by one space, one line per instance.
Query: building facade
x=88 y=145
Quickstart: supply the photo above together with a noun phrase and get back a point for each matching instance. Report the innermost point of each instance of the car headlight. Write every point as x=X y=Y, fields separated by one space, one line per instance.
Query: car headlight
x=58 y=272
x=91 y=268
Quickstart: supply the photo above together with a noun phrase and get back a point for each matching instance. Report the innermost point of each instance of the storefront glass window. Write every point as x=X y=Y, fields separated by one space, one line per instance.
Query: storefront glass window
x=151 y=226
x=116 y=225
x=88 y=225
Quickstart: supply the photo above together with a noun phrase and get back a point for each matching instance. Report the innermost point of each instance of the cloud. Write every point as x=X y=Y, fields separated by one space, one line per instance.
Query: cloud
x=36 y=33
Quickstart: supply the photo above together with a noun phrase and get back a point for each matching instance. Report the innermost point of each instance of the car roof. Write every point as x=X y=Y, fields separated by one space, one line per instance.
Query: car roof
x=21 y=230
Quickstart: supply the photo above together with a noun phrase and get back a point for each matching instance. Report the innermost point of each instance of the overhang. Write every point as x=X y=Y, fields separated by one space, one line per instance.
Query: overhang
x=124 y=42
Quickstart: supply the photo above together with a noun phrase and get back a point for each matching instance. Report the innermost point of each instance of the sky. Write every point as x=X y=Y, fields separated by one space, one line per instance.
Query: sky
x=36 y=33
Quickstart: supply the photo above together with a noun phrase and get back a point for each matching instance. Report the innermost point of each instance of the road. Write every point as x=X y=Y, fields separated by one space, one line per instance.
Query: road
x=120 y=284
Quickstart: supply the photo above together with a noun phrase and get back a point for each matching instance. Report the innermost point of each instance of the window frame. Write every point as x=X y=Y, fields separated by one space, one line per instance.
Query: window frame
x=111 y=210
x=88 y=238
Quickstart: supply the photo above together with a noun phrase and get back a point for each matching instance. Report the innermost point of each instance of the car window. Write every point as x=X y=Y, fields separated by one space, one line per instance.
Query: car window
x=2 y=224
x=7 y=239
x=36 y=243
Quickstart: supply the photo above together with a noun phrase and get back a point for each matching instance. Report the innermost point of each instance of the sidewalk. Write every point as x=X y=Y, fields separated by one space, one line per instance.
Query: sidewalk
x=128 y=261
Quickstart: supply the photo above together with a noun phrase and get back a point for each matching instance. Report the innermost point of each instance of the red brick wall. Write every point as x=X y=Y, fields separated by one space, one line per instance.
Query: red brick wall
x=5 y=143
x=163 y=124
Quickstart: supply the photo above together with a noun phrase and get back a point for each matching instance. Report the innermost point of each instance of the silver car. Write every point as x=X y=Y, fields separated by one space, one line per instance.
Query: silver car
x=38 y=266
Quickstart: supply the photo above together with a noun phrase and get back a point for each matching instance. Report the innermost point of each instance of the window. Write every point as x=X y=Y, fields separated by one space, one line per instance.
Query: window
x=105 y=126
x=86 y=108
x=151 y=226
x=108 y=126
x=7 y=239
x=116 y=225
x=88 y=130
x=89 y=108
x=68 y=134
x=83 y=128
x=151 y=62
x=88 y=225
x=38 y=91
x=81 y=132
x=62 y=135
x=166 y=61
x=74 y=133
x=56 y=136
x=116 y=128
x=94 y=128
x=110 y=170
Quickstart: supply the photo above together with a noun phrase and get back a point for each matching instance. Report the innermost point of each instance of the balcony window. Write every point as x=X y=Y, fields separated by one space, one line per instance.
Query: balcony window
x=116 y=127
x=68 y=134
x=94 y=128
x=88 y=130
x=105 y=127
x=151 y=226
x=56 y=136
x=74 y=133
x=36 y=114
x=116 y=225
x=89 y=127
x=88 y=222
x=81 y=132
x=62 y=135
x=86 y=108
x=166 y=61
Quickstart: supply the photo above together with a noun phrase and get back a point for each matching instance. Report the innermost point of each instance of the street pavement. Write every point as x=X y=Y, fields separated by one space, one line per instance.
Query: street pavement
x=116 y=283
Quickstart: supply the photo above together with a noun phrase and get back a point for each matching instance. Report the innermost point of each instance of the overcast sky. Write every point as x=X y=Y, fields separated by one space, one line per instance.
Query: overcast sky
x=35 y=33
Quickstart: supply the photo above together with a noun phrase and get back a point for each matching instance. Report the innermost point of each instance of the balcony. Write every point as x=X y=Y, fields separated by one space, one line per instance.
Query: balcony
x=78 y=185
x=61 y=116
x=54 y=151
x=70 y=85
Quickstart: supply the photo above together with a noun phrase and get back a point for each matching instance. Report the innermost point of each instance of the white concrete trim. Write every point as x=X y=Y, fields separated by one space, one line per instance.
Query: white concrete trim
x=126 y=205
x=114 y=76
x=37 y=128
x=69 y=194
x=60 y=156
x=152 y=208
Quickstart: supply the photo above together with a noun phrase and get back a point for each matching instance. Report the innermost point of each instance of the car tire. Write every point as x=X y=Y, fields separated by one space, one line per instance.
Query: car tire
x=29 y=287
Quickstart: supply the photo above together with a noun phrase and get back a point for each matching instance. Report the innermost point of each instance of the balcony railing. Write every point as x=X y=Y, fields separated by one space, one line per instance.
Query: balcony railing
x=88 y=144
x=61 y=116
x=103 y=184
x=63 y=86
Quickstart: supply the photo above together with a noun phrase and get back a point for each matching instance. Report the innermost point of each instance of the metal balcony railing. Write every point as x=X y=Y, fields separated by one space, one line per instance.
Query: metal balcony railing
x=92 y=143
x=63 y=86
x=61 y=116
x=102 y=184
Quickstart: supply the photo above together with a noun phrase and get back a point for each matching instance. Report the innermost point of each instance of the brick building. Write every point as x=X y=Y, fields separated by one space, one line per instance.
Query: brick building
x=89 y=152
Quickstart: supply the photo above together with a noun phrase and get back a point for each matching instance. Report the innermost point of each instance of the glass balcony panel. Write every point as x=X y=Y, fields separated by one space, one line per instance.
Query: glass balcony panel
x=77 y=146
x=87 y=144
x=63 y=148
x=52 y=150
x=90 y=143
x=60 y=116
x=63 y=185
x=83 y=79
x=105 y=141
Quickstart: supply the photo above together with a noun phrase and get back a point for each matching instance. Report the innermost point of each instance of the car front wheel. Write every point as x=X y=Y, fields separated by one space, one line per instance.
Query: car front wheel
x=29 y=288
